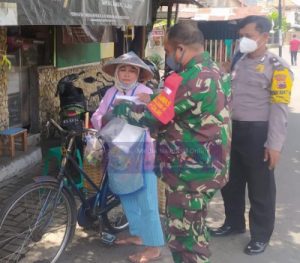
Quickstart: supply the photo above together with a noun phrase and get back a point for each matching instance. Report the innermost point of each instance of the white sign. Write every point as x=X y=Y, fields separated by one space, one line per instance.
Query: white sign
x=158 y=33
x=8 y=14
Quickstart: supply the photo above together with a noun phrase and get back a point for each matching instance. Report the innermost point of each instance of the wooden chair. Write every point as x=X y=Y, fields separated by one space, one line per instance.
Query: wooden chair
x=7 y=140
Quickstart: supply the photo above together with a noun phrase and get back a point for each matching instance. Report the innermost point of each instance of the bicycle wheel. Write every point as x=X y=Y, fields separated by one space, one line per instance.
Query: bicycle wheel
x=36 y=224
x=115 y=219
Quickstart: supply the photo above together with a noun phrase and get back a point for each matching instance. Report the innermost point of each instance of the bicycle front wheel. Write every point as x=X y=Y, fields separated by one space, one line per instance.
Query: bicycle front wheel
x=36 y=224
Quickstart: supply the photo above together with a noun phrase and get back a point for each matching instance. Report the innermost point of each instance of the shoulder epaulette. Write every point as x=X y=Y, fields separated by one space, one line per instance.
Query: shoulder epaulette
x=276 y=62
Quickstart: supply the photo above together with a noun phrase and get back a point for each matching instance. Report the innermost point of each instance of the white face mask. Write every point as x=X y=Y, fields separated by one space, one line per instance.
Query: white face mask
x=247 y=45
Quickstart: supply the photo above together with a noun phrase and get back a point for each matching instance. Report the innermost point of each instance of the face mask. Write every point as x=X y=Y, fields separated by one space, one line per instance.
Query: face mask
x=172 y=64
x=247 y=45
x=125 y=86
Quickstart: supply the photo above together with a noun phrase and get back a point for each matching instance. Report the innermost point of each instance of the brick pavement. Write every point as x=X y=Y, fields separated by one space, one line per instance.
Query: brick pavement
x=11 y=185
x=25 y=213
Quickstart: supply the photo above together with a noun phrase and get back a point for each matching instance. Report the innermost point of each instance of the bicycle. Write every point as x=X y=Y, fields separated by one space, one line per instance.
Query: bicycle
x=39 y=221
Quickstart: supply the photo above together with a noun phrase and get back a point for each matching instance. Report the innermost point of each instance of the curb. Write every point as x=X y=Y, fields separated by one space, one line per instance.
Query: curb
x=20 y=165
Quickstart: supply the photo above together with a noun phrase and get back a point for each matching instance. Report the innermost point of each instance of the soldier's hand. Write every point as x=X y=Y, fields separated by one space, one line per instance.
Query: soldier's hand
x=226 y=66
x=117 y=102
x=272 y=156
x=144 y=97
x=121 y=109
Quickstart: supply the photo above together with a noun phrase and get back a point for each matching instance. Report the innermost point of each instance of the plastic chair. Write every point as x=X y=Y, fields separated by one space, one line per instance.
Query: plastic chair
x=55 y=152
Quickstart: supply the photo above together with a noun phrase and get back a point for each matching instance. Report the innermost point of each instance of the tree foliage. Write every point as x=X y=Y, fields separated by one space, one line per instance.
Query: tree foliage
x=274 y=18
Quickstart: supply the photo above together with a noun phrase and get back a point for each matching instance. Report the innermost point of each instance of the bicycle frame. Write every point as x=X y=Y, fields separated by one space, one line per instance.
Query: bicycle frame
x=102 y=191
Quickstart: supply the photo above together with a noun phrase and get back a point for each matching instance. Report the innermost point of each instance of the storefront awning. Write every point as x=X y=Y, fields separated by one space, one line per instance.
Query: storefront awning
x=75 y=12
x=223 y=14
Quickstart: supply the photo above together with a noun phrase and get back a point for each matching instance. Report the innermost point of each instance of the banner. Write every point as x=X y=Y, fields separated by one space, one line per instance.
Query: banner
x=75 y=12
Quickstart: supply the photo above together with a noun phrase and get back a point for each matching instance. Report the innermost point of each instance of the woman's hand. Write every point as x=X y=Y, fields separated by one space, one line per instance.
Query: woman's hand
x=144 y=97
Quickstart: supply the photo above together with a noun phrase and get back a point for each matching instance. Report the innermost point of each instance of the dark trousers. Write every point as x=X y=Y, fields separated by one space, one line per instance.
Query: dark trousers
x=248 y=168
x=294 y=57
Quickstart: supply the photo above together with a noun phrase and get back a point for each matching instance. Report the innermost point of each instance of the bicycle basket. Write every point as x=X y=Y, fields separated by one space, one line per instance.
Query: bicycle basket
x=161 y=196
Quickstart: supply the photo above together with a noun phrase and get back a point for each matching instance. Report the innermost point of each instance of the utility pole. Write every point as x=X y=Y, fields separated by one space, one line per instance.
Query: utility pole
x=280 y=27
x=169 y=17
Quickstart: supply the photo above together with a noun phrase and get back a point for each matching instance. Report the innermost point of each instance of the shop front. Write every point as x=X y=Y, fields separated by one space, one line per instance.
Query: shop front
x=46 y=40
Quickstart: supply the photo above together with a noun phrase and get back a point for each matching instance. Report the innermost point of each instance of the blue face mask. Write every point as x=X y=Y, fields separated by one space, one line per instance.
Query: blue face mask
x=172 y=64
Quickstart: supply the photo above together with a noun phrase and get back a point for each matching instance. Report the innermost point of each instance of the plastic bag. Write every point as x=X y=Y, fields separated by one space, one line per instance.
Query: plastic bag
x=93 y=151
x=121 y=134
x=125 y=157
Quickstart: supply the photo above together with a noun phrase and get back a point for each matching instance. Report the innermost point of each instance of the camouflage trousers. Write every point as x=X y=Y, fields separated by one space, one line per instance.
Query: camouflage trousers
x=187 y=234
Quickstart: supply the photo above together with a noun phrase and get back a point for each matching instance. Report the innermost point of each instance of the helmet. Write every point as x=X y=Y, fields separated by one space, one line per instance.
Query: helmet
x=154 y=82
x=153 y=68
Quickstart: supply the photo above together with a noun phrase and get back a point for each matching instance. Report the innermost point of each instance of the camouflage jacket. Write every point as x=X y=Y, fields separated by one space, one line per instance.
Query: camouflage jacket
x=193 y=149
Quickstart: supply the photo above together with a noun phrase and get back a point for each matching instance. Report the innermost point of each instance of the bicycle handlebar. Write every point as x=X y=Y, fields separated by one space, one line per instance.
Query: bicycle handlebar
x=72 y=133
x=54 y=123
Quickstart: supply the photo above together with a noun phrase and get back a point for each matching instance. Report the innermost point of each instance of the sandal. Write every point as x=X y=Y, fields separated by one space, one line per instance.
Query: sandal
x=132 y=240
x=142 y=257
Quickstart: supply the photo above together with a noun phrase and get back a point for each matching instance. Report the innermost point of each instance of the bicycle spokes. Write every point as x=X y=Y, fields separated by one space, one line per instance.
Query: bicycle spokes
x=35 y=227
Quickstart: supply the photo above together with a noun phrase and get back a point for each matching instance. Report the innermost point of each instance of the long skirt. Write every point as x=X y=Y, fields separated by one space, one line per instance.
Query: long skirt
x=141 y=209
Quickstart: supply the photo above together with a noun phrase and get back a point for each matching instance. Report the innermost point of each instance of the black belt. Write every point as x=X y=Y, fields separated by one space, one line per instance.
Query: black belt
x=249 y=123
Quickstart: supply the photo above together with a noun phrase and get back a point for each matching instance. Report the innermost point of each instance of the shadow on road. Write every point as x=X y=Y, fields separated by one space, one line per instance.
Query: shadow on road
x=285 y=242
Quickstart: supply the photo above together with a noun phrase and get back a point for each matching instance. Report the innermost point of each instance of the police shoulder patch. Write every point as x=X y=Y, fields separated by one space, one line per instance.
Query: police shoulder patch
x=281 y=86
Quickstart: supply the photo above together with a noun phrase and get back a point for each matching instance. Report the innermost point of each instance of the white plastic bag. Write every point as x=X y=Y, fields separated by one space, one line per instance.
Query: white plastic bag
x=121 y=134
x=93 y=151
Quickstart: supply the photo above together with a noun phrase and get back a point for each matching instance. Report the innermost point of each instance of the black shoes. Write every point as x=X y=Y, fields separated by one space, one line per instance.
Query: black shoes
x=255 y=247
x=226 y=230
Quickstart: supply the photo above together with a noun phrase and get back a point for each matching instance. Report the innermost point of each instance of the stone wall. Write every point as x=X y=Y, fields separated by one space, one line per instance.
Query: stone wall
x=48 y=79
x=3 y=82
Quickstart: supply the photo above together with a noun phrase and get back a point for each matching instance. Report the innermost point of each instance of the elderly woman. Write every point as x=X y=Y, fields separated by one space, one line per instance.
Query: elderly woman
x=141 y=207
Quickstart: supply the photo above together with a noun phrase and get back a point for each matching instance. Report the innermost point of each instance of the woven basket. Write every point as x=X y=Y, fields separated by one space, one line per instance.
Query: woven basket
x=161 y=196
x=95 y=173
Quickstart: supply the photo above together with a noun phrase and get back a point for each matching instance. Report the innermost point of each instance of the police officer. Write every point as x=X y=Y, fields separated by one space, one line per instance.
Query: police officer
x=261 y=87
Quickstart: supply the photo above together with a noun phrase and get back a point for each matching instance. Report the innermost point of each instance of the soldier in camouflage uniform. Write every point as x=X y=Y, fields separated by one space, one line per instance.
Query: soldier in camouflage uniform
x=193 y=147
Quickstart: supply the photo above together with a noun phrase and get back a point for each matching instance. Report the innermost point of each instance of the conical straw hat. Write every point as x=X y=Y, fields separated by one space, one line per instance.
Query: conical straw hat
x=129 y=58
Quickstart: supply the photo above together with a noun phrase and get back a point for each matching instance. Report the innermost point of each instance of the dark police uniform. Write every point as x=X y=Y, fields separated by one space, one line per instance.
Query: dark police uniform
x=261 y=89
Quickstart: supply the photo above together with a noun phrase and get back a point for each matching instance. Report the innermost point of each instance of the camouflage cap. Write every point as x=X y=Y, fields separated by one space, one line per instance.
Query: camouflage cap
x=129 y=58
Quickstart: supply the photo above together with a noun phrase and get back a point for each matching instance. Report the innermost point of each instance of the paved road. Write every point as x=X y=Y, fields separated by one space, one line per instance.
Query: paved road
x=285 y=243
